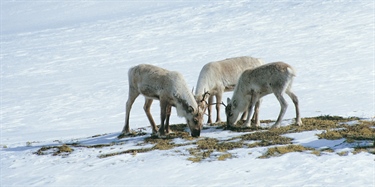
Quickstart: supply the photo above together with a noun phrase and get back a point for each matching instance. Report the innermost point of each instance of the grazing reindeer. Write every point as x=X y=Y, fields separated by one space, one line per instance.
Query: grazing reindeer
x=170 y=89
x=253 y=84
x=218 y=77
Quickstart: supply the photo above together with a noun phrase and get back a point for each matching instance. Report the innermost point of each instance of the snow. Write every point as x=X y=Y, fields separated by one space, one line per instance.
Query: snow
x=64 y=79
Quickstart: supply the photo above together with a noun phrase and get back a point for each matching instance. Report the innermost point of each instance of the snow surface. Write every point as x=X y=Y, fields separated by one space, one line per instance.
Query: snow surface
x=64 y=77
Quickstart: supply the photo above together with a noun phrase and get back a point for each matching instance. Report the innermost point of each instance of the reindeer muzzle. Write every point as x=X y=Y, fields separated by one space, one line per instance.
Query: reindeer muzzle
x=195 y=133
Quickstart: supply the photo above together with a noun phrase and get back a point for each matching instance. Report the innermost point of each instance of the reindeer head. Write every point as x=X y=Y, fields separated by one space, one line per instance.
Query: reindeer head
x=231 y=112
x=192 y=114
x=194 y=120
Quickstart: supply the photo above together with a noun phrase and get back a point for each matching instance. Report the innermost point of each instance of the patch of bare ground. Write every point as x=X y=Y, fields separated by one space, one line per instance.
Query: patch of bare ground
x=334 y=127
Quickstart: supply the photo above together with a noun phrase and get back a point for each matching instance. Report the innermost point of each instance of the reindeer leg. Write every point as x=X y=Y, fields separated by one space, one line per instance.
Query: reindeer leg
x=209 y=108
x=147 y=107
x=295 y=101
x=253 y=100
x=255 y=122
x=163 y=114
x=131 y=98
x=218 y=104
x=244 y=116
x=284 y=106
x=168 y=113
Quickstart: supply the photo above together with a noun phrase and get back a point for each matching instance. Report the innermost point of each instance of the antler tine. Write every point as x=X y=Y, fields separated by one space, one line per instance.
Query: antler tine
x=223 y=104
x=204 y=101
x=204 y=95
x=220 y=103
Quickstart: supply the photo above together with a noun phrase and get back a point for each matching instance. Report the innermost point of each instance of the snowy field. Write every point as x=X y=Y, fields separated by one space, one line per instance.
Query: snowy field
x=64 y=79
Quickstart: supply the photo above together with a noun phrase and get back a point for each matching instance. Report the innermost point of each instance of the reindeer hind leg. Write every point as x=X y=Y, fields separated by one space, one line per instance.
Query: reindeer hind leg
x=284 y=106
x=295 y=102
x=147 y=107
x=133 y=94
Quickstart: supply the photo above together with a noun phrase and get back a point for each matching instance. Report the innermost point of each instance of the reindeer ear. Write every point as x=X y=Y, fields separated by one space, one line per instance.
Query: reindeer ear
x=234 y=103
x=191 y=109
x=228 y=100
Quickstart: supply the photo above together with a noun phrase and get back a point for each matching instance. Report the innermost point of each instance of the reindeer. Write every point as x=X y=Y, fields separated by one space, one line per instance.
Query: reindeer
x=218 y=77
x=170 y=89
x=253 y=84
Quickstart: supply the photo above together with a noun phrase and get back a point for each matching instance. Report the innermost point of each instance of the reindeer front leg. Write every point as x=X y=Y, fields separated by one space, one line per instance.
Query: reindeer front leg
x=254 y=99
x=209 y=108
x=255 y=122
x=168 y=113
x=218 y=104
x=163 y=115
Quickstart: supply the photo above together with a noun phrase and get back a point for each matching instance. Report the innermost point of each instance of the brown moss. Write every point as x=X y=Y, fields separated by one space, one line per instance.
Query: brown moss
x=266 y=138
x=330 y=135
x=333 y=126
x=130 y=151
x=281 y=150
x=54 y=150
x=224 y=156
x=351 y=133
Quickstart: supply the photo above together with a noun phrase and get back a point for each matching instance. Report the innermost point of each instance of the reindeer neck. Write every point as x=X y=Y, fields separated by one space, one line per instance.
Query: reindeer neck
x=203 y=85
x=184 y=99
x=241 y=99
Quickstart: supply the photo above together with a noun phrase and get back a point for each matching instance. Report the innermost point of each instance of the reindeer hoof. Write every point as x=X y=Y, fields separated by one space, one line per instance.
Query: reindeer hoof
x=299 y=123
x=275 y=126
x=246 y=125
x=161 y=135
x=123 y=135
x=255 y=124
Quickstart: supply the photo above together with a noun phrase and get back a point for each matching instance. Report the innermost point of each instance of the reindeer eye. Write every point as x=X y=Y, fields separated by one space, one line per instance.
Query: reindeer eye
x=195 y=120
x=230 y=114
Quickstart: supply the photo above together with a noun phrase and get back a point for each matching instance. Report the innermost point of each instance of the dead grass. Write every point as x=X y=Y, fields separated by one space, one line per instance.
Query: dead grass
x=266 y=138
x=280 y=145
x=63 y=150
x=208 y=145
x=224 y=156
x=281 y=150
x=363 y=131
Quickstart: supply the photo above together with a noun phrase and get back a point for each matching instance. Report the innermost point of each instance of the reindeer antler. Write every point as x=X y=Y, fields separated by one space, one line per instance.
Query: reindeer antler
x=223 y=104
x=220 y=103
x=204 y=96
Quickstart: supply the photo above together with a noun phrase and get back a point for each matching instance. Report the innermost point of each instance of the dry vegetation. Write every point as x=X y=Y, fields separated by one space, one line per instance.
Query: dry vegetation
x=213 y=149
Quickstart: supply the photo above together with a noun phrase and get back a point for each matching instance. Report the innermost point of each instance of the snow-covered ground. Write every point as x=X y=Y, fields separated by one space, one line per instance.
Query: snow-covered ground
x=64 y=77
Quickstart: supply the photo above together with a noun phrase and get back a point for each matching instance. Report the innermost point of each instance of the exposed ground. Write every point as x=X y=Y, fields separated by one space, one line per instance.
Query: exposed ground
x=358 y=134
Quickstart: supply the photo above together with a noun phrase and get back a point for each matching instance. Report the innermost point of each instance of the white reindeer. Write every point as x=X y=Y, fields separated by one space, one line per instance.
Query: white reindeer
x=170 y=89
x=253 y=84
x=222 y=76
